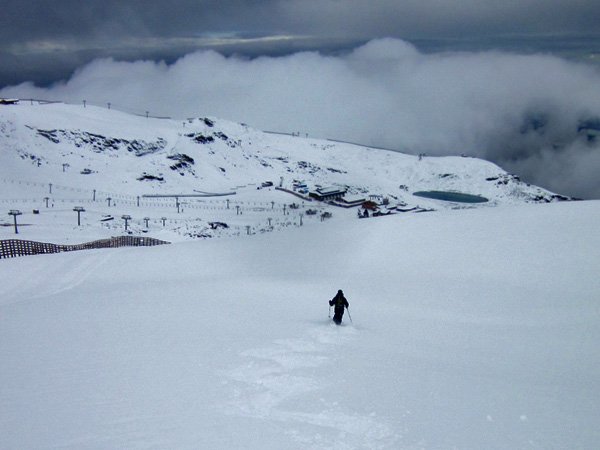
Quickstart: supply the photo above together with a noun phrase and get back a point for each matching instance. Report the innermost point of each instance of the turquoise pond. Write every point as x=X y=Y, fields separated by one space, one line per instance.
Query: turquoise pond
x=457 y=197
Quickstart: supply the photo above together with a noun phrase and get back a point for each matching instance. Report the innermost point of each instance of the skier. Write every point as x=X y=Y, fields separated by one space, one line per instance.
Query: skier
x=340 y=302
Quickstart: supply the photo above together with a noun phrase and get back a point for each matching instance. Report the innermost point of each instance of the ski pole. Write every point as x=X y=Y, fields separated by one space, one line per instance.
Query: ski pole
x=349 y=316
x=330 y=311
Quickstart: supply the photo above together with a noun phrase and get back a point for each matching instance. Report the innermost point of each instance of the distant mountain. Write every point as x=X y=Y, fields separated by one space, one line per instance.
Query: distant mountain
x=138 y=155
x=128 y=156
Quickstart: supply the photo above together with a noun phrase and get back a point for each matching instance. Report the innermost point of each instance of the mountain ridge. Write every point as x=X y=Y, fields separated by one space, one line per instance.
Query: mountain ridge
x=124 y=156
x=205 y=139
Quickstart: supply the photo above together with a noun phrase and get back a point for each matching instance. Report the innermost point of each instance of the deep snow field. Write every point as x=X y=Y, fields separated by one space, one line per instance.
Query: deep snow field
x=471 y=329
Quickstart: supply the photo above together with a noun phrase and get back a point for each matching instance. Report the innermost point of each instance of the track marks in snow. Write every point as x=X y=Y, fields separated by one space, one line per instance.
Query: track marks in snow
x=75 y=271
x=272 y=381
x=53 y=274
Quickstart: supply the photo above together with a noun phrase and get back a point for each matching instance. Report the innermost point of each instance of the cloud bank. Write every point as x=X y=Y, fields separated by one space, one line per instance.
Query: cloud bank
x=535 y=115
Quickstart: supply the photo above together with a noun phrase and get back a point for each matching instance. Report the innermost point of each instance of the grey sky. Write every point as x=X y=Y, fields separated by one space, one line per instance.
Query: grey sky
x=44 y=40
x=94 y=20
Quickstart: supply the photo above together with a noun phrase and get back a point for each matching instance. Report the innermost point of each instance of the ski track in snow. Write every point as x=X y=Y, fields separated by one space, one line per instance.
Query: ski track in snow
x=265 y=387
x=54 y=279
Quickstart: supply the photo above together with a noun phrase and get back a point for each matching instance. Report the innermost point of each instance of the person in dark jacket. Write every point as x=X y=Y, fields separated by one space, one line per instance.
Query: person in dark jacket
x=340 y=302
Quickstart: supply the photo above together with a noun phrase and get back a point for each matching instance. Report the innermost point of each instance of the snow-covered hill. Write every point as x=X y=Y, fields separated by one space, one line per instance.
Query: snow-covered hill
x=55 y=155
x=472 y=329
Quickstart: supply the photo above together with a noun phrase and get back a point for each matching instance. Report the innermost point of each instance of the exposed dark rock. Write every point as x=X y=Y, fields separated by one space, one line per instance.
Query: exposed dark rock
x=562 y=198
x=182 y=161
x=51 y=135
x=98 y=143
x=147 y=177
x=200 y=138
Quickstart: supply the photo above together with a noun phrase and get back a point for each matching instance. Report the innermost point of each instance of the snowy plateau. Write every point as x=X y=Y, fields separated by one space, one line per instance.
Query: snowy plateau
x=470 y=326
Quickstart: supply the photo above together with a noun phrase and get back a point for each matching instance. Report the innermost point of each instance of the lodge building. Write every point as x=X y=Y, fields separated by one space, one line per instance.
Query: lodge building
x=327 y=193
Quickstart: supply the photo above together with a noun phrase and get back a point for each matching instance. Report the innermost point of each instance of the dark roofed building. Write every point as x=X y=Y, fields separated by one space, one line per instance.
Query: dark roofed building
x=328 y=193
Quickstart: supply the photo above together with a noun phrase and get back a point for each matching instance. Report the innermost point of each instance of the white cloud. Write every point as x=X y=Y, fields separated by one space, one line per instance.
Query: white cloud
x=512 y=109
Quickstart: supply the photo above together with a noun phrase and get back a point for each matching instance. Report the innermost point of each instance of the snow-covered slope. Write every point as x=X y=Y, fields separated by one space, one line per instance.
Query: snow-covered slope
x=215 y=155
x=93 y=153
x=472 y=329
